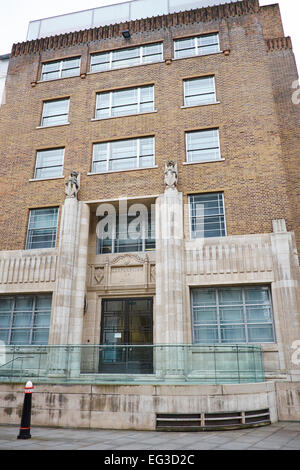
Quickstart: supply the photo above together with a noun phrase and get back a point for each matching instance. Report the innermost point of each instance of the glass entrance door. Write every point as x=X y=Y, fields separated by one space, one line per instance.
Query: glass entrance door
x=126 y=336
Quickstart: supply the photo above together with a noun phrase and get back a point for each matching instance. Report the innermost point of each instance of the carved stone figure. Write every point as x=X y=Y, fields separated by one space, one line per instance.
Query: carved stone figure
x=171 y=175
x=72 y=185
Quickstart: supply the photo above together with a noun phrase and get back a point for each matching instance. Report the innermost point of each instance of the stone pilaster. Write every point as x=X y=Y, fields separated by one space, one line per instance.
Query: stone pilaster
x=68 y=300
x=169 y=322
x=79 y=297
x=286 y=298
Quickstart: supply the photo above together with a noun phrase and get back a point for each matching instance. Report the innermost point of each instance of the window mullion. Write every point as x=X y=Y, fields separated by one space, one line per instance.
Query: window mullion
x=190 y=211
x=60 y=68
x=219 y=215
x=35 y=170
x=32 y=319
x=138 y=150
x=43 y=114
x=110 y=103
x=141 y=54
x=218 y=317
x=196 y=46
x=193 y=315
x=187 y=146
x=245 y=314
x=139 y=100
x=11 y=320
x=271 y=312
x=107 y=155
x=29 y=228
x=97 y=104
x=110 y=60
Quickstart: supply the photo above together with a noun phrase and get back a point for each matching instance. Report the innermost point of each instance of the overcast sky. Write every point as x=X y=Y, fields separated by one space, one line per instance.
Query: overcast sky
x=16 y=14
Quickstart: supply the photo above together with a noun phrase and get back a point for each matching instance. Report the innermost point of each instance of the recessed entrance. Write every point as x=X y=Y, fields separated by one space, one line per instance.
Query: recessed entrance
x=126 y=336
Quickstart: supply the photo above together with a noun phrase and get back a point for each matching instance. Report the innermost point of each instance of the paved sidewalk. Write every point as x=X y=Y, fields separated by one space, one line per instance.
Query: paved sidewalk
x=282 y=435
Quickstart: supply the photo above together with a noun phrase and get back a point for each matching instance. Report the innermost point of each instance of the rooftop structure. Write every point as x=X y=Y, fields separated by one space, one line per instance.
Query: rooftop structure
x=111 y=14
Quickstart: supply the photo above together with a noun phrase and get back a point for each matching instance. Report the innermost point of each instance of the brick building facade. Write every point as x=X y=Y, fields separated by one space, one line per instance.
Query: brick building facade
x=211 y=91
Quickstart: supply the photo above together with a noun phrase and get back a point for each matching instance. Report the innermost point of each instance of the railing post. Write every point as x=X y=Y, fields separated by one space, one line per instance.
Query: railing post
x=215 y=364
x=238 y=364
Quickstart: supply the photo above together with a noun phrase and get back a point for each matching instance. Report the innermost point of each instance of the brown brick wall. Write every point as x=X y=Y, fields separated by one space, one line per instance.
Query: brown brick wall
x=271 y=21
x=253 y=175
x=284 y=73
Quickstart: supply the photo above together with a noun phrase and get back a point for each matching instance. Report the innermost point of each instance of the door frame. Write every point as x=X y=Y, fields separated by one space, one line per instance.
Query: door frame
x=126 y=326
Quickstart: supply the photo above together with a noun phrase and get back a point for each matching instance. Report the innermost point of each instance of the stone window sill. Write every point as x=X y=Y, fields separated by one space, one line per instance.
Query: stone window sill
x=199 y=55
x=204 y=161
x=55 y=79
x=54 y=125
x=125 y=115
x=204 y=104
x=118 y=171
x=47 y=179
x=128 y=67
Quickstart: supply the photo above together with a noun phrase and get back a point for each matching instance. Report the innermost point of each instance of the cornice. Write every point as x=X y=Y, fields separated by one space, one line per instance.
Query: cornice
x=276 y=44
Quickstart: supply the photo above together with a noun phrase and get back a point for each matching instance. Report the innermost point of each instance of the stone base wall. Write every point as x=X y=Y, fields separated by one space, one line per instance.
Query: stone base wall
x=131 y=406
x=288 y=401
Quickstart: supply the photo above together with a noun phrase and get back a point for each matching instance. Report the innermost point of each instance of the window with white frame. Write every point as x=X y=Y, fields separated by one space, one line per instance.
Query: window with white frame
x=123 y=102
x=197 y=45
x=49 y=163
x=42 y=228
x=123 y=154
x=199 y=91
x=207 y=215
x=61 y=69
x=25 y=319
x=203 y=146
x=232 y=315
x=55 y=112
x=128 y=57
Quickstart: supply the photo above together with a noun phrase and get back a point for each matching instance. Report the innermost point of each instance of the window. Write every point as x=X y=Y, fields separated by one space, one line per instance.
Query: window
x=42 y=228
x=49 y=163
x=123 y=155
x=123 y=102
x=55 y=112
x=127 y=239
x=25 y=319
x=199 y=45
x=199 y=91
x=203 y=146
x=61 y=69
x=232 y=315
x=126 y=57
x=207 y=215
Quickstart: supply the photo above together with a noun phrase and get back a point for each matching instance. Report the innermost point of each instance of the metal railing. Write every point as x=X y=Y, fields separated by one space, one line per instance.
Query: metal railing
x=166 y=364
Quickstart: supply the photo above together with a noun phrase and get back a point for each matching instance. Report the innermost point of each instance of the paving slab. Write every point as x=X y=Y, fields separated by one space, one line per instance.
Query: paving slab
x=282 y=435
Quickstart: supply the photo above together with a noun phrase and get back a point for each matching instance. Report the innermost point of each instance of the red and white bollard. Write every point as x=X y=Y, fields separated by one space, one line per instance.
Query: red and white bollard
x=26 y=412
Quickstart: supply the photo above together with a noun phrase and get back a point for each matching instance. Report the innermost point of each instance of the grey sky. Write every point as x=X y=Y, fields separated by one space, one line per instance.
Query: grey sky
x=16 y=14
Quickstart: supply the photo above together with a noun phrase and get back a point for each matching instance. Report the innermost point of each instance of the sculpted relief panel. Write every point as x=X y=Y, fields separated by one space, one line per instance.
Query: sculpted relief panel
x=122 y=272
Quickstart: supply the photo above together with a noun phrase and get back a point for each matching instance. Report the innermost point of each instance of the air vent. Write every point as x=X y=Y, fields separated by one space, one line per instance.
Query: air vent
x=212 y=421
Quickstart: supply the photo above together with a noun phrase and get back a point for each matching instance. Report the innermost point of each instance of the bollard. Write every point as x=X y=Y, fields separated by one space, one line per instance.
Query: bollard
x=26 y=412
